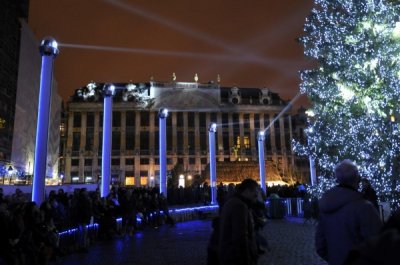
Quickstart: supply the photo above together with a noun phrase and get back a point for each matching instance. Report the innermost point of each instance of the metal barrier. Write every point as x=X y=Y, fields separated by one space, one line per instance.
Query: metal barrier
x=281 y=207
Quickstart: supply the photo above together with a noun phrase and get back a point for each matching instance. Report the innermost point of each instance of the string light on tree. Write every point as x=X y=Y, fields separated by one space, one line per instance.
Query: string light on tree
x=354 y=91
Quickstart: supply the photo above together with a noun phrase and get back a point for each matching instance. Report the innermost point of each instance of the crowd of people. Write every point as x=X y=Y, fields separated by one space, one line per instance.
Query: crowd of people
x=350 y=230
x=30 y=233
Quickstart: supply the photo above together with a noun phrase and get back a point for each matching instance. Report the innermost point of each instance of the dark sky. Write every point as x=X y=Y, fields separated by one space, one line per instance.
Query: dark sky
x=249 y=43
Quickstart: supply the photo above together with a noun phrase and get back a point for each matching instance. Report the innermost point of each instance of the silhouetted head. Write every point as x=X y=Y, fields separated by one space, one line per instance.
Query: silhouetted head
x=248 y=189
x=346 y=173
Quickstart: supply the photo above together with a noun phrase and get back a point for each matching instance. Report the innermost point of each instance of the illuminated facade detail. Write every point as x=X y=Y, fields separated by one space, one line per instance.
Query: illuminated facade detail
x=135 y=153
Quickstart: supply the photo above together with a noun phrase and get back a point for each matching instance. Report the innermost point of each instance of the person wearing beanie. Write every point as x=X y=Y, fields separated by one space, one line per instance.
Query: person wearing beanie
x=346 y=218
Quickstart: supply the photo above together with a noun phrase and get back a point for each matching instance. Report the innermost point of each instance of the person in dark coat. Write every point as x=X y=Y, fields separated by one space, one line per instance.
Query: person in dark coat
x=369 y=193
x=382 y=249
x=346 y=218
x=83 y=215
x=237 y=240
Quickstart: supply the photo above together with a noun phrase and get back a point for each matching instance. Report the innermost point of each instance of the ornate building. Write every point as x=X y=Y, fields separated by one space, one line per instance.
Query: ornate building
x=239 y=112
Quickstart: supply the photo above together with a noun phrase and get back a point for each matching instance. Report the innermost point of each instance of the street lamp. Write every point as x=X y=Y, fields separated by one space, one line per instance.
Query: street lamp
x=261 y=159
x=213 y=163
x=108 y=93
x=162 y=116
x=48 y=50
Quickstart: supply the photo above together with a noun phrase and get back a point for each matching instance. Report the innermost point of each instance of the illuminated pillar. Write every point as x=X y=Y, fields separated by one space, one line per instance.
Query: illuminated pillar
x=108 y=92
x=162 y=115
x=313 y=173
x=261 y=160
x=48 y=50
x=213 y=163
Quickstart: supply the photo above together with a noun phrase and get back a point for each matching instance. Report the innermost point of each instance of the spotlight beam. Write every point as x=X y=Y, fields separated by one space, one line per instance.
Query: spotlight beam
x=207 y=56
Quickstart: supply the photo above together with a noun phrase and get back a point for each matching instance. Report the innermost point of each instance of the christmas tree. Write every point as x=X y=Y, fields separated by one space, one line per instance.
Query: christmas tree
x=354 y=90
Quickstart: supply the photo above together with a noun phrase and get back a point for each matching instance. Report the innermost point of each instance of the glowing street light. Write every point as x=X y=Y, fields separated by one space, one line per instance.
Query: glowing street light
x=48 y=50
x=261 y=160
x=162 y=115
x=213 y=163
x=108 y=93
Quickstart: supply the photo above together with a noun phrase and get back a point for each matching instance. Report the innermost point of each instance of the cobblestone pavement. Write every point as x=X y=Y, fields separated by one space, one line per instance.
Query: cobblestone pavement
x=291 y=243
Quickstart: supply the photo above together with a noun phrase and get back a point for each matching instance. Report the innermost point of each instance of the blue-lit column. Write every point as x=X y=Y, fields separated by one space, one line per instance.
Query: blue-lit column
x=162 y=116
x=313 y=173
x=48 y=50
x=261 y=160
x=108 y=93
x=213 y=162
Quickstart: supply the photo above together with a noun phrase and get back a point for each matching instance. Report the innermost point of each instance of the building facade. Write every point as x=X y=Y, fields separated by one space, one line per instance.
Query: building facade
x=240 y=114
x=12 y=14
x=26 y=109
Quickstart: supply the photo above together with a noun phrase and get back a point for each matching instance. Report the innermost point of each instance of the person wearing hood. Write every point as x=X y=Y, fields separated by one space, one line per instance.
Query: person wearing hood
x=346 y=218
x=237 y=243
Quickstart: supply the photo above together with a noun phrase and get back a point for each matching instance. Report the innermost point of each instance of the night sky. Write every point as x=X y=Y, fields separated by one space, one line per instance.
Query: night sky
x=248 y=43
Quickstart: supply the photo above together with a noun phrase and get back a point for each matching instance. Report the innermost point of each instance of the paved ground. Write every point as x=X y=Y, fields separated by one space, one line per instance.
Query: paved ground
x=291 y=243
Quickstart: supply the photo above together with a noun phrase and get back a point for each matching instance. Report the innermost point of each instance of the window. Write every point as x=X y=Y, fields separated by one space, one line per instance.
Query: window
x=203 y=141
x=180 y=146
x=88 y=162
x=100 y=142
x=235 y=120
x=89 y=138
x=276 y=122
x=192 y=161
x=191 y=119
x=203 y=161
x=169 y=139
x=76 y=140
x=74 y=162
x=225 y=141
x=225 y=120
x=256 y=121
x=116 y=140
x=74 y=176
x=116 y=119
x=144 y=140
x=130 y=118
x=179 y=119
x=129 y=161
x=202 y=119
x=246 y=142
x=213 y=117
x=90 y=119
x=130 y=139
x=77 y=119
x=62 y=129
x=156 y=141
x=115 y=161
x=101 y=119
x=246 y=121
x=157 y=119
x=144 y=118
x=191 y=142
x=144 y=161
